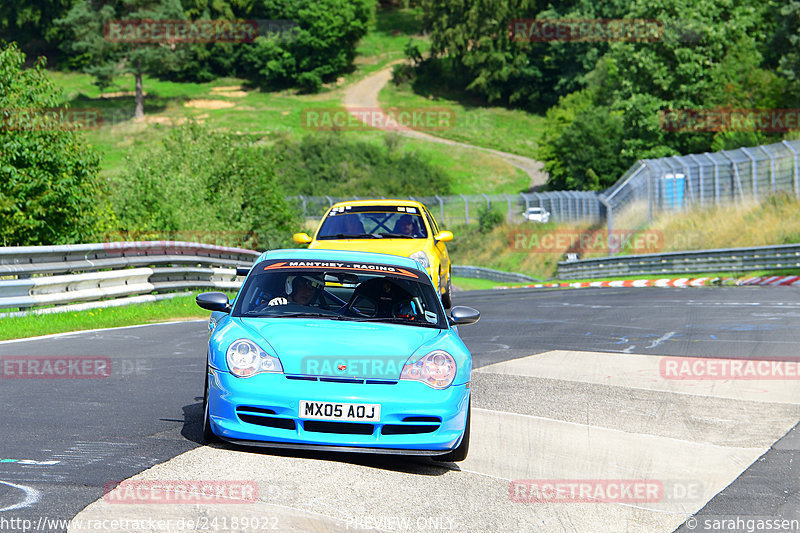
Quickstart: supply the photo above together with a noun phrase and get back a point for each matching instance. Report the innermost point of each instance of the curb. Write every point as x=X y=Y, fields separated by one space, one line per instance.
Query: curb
x=667 y=282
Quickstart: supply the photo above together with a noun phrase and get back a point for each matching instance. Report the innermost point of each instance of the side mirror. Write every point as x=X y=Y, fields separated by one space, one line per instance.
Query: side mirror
x=301 y=238
x=214 y=301
x=242 y=271
x=461 y=315
x=444 y=236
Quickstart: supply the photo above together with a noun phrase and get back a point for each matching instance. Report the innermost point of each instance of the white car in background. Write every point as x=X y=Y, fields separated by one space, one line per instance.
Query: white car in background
x=536 y=214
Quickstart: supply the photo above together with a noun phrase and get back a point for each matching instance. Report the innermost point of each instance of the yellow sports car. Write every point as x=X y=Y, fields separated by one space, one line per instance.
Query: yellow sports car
x=397 y=227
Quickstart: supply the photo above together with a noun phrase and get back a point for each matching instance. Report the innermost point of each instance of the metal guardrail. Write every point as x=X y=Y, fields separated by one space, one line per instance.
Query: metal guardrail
x=466 y=271
x=32 y=276
x=721 y=260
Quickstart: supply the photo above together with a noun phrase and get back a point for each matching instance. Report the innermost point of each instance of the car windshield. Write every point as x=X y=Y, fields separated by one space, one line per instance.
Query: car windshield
x=340 y=290
x=373 y=222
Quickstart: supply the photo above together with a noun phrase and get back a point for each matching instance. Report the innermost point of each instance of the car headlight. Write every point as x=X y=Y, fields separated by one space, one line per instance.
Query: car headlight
x=245 y=358
x=422 y=258
x=437 y=370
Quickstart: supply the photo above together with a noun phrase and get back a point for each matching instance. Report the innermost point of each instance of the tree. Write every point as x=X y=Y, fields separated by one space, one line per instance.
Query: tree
x=103 y=57
x=321 y=47
x=30 y=24
x=47 y=188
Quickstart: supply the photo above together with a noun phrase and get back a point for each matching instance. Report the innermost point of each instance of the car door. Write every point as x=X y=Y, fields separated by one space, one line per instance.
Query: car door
x=441 y=250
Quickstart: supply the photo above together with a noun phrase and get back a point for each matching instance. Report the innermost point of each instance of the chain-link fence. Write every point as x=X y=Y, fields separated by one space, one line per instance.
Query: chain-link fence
x=452 y=210
x=649 y=187
x=676 y=183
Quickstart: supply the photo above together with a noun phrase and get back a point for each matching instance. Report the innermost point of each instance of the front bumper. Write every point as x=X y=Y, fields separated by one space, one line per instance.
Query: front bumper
x=263 y=410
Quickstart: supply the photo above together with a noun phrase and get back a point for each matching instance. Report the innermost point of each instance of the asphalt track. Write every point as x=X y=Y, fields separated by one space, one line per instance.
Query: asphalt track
x=566 y=387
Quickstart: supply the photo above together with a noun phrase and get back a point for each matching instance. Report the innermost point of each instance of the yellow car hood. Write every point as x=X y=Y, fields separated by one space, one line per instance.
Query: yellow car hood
x=404 y=247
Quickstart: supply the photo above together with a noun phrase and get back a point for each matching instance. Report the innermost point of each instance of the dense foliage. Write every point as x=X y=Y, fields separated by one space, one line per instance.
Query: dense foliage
x=605 y=98
x=333 y=165
x=47 y=192
x=201 y=180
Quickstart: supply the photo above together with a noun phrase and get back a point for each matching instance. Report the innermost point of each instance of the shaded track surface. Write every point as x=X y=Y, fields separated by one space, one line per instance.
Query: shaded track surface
x=148 y=410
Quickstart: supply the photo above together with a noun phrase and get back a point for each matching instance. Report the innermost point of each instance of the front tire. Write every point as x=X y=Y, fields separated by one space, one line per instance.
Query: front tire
x=208 y=433
x=460 y=453
x=447 y=299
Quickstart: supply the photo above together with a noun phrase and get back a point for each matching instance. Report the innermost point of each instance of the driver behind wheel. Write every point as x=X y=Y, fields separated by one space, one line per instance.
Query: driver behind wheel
x=301 y=290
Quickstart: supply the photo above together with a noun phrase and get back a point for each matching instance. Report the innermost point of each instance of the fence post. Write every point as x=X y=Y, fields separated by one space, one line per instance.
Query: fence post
x=466 y=209
x=700 y=178
x=771 y=168
x=330 y=202
x=796 y=169
x=736 y=177
x=508 y=215
x=527 y=202
x=441 y=207
x=303 y=199
x=753 y=171
x=716 y=177
x=488 y=202
x=609 y=221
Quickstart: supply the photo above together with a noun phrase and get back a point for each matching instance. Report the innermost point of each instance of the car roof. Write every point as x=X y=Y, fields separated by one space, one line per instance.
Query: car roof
x=339 y=255
x=381 y=202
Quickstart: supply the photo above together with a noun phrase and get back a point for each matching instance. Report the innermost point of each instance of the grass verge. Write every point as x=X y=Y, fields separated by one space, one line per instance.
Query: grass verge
x=181 y=307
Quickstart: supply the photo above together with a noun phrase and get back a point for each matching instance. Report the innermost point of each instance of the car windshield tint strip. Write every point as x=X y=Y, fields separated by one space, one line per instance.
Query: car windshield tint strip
x=331 y=265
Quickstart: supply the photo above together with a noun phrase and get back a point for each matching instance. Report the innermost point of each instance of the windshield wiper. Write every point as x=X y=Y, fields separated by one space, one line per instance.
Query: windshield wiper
x=396 y=235
x=352 y=236
x=297 y=314
x=395 y=320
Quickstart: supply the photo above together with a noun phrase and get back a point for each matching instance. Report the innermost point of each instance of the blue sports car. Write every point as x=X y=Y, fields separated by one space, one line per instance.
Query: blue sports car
x=338 y=350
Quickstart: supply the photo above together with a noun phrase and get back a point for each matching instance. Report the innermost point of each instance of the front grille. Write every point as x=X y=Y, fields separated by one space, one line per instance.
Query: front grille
x=343 y=428
x=408 y=429
x=257 y=415
x=268 y=421
x=434 y=419
x=352 y=381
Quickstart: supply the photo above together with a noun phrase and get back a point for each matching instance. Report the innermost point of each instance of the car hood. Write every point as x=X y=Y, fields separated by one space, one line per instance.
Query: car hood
x=334 y=348
x=404 y=247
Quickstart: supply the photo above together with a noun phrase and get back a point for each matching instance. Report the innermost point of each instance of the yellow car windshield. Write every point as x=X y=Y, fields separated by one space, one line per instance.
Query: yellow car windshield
x=373 y=222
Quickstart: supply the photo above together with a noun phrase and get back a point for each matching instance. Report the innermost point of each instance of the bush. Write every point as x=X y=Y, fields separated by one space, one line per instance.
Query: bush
x=488 y=219
x=47 y=172
x=201 y=180
x=333 y=165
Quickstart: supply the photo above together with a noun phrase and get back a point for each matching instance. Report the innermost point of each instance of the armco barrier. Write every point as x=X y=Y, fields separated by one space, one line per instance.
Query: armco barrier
x=722 y=260
x=466 y=271
x=33 y=276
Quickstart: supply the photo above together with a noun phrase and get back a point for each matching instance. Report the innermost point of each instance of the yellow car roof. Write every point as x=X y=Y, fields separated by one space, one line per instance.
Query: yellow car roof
x=381 y=202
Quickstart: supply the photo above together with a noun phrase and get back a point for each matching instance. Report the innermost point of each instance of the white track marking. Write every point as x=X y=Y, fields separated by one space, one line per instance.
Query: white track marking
x=31 y=497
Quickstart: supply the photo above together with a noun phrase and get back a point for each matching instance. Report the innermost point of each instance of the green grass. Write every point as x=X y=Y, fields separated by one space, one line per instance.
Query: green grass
x=470 y=284
x=508 y=130
x=181 y=307
x=387 y=38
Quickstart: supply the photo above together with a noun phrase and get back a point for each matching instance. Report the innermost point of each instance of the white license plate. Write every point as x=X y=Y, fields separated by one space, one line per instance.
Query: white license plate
x=349 y=412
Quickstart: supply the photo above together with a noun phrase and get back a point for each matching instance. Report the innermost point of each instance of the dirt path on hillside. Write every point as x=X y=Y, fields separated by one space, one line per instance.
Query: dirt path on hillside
x=364 y=95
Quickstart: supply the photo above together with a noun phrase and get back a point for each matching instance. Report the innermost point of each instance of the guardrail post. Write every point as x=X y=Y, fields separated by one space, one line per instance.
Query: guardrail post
x=796 y=169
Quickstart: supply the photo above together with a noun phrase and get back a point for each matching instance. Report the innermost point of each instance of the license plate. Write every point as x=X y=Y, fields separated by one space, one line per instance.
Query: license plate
x=349 y=412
